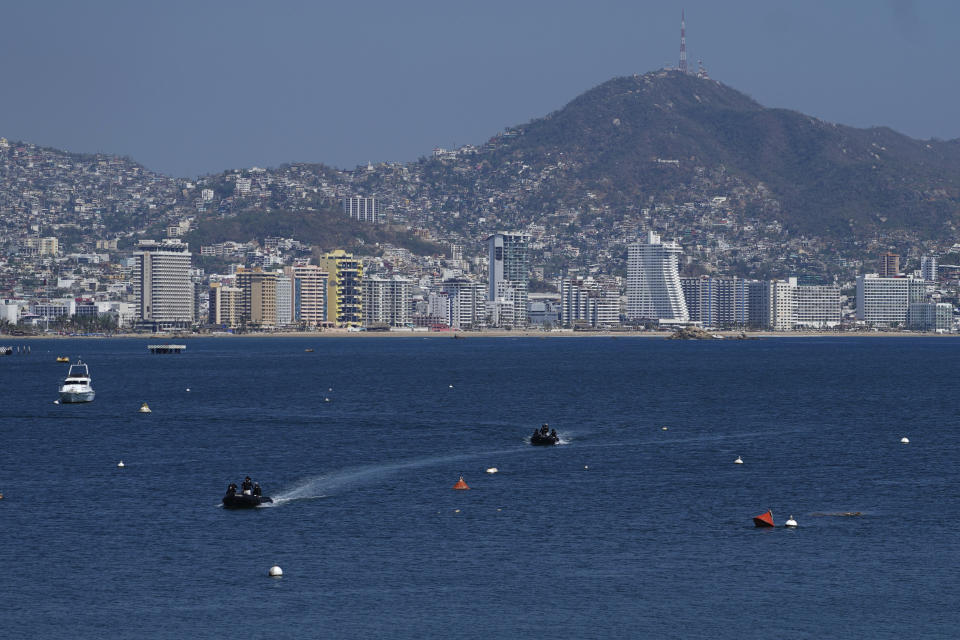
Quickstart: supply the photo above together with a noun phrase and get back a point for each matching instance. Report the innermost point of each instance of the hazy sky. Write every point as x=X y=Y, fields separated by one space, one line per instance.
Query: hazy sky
x=198 y=87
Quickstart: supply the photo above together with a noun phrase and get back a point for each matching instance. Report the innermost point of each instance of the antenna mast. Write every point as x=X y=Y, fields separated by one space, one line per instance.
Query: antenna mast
x=683 y=43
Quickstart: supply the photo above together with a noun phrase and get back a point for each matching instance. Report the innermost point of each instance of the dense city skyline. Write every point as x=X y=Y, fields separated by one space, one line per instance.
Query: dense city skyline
x=191 y=89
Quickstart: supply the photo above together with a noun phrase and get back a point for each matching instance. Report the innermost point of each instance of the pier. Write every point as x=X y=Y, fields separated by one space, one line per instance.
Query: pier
x=166 y=348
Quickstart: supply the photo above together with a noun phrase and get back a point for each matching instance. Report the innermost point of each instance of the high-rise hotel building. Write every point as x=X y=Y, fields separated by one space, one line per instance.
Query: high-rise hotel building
x=344 y=288
x=508 y=260
x=387 y=301
x=309 y=294
x=258 y=303
x=653 y=281
x=162 y=287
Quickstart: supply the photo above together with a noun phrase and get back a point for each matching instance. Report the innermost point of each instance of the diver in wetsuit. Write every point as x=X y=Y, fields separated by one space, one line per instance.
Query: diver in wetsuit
x=247 y=486
x=256 y=489
x=232 y=489
x=553 y=434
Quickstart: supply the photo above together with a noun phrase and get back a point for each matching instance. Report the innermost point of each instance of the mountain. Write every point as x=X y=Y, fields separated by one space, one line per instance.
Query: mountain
x=828 y=178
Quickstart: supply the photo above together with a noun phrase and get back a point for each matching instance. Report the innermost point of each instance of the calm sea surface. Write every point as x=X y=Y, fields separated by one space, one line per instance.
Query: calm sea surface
x=625 y=530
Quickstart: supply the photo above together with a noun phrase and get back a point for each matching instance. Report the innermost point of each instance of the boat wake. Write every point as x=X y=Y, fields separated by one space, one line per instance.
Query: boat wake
x=335 y=482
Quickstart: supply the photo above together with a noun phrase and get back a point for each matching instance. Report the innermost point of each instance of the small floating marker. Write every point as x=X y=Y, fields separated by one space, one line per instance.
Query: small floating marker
x=450 y=386
x=56 y=402
x=145 y=408
x=739 y=460
x=188 y=389
x=120 y=464
x=492 y=470
x=663 y=428
x=326 y=399
x=275 y=571
x=456 y=510
x=763 y=520
x=904 y=440
x=330 y=389
x=498 y=508
x=586 y=466
x=461 y=485
x=790 y=523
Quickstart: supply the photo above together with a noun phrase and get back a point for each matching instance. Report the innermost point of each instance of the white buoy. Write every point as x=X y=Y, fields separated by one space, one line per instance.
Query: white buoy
x=450 y=386
x=188 y=389
x=56 y=402
x=330 y=389
x=144 y=408
x=904 y=440
x=790 y=522
x=739 y=460
x=275 y=571
x=586 y=466
x=492 y=470
x=326 y=399
x=663 y=428
x=120 y=464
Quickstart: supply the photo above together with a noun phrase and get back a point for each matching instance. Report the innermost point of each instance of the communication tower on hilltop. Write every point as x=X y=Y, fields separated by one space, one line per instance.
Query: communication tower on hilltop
x=683 y=43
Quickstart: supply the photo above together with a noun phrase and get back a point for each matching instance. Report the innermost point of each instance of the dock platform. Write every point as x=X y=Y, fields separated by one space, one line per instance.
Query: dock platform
x=166 y=348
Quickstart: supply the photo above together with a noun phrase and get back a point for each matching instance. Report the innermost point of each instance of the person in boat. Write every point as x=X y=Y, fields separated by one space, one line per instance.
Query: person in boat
x=544 y=430
x=553 y=434
x=256 y=489
x=247 y=486
x=232 y=489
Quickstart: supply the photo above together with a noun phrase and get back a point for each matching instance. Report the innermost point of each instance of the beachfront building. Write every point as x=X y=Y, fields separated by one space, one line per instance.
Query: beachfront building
x=225 y=305
x=717 y=302
x=653 y=282
x=309 y=294
x=163 y=290
x=508 y=261
x=930 y=316
x=387 y=301
x=284 y=300
x=258 y=299
x=886 y=301
x=584 y=301
x=816 y=306
x=344 y=288
x=461 y=302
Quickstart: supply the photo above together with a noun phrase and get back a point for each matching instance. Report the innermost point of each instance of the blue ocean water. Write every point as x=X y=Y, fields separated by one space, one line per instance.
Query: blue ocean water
x=625 y=530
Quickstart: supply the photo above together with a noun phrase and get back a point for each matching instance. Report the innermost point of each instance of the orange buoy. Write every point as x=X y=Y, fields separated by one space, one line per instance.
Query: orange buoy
x=763 y=520
x=460 y=484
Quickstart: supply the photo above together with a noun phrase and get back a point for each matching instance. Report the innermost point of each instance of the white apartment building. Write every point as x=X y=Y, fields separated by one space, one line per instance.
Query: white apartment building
x=587 y=301
x=309 y=293
x=653 y=281
x=930 y=316
x=928 y=268
x=886 y=300
x=387 y=301
x=508 y=260
x=463 y=303
x=162 y=288
x=284 y=300
x=816 y=306
x=364 y=209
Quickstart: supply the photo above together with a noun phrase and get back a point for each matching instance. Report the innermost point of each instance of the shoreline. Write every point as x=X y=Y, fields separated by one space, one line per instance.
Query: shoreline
x=343 y=333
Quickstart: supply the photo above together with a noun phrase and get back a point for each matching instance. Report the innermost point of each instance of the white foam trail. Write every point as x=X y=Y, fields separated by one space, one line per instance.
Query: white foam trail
x=335 y=482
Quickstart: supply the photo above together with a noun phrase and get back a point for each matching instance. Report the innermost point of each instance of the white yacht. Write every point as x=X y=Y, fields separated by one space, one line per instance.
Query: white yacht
x=76 y=388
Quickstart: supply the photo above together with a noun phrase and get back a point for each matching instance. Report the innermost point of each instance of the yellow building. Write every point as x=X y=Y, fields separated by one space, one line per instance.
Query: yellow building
x=344 y=288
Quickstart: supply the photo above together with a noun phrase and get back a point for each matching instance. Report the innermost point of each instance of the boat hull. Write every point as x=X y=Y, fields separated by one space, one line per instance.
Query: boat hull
x=544 y=441
x=71 y=397
x=240 y=501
